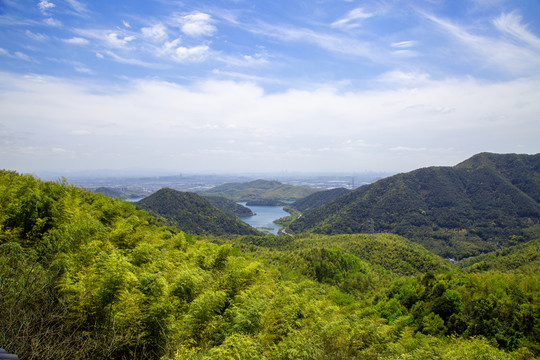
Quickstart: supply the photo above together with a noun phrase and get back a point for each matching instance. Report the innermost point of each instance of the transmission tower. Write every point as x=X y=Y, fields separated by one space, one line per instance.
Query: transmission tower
x=371 y=227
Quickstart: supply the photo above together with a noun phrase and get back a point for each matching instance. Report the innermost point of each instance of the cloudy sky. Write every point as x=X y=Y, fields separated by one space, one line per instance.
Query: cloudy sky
x=264 y=86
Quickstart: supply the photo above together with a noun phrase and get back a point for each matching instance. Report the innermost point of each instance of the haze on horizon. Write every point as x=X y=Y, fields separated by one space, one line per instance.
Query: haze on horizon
x=285 y=86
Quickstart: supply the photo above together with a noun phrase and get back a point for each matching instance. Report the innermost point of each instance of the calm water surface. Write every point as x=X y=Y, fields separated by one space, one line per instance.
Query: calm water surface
x=264 y=217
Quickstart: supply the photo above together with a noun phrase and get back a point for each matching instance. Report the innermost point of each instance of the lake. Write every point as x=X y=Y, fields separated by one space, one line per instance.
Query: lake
x=264 y=217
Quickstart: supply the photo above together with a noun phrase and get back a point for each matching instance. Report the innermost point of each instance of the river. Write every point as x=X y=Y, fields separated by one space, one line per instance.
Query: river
x=264 y=217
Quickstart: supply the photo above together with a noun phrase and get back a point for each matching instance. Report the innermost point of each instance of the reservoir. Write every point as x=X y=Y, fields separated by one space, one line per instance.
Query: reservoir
x=264 y=217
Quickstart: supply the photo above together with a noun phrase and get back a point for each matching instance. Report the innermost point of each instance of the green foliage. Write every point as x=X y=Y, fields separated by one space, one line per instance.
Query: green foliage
x=318 y=199
x=193 y=213
x=261 y=190
x=83 y=276
x=511 y=258
x=230 y=206
x=488 y=202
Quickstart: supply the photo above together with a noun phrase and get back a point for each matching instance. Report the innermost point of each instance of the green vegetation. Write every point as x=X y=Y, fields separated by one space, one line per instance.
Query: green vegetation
x=120 y=194
x=318 y=199
x=230 y=206
x=261 y=190
x=483 y=204
x=193 y=213
x=84 y=276
x=309 y=203
x=512 y=258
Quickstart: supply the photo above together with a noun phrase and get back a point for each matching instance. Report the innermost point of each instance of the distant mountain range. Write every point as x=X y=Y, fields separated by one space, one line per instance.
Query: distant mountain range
x=485 y=203
x=193 y=213
x=260 y=190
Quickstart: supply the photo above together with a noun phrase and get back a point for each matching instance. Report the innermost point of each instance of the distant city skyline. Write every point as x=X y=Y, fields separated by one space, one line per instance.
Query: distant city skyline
x=261 y=87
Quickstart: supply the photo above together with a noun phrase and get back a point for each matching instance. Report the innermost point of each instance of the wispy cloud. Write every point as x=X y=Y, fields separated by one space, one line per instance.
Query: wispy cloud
x=45 y=6
x=404 y=44
x=502 y=53
x=126 y=60
x=511 y=24
x=331 y=42
x=15 y=55
x=79 y=7
x=352 y=19
x=76 y=41
x=36 y=36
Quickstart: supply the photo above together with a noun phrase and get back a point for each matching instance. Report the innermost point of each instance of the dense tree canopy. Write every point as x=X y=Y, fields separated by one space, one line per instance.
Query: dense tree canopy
x=84 y=276
x=483 y=204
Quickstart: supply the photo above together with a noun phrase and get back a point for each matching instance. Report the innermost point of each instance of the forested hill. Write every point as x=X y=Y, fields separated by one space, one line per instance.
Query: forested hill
x=482 y=204
x=230 y=206
x=193 y=213
x=261 y=189
x=318 y=199
x=84 y=276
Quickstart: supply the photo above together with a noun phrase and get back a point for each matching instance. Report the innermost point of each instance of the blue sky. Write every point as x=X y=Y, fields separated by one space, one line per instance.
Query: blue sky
x=266 y=86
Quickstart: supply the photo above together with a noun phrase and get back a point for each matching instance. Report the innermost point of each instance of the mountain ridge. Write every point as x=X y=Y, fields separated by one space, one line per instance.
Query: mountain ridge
x=459 y=211
x=260 y=190
x=193 y=213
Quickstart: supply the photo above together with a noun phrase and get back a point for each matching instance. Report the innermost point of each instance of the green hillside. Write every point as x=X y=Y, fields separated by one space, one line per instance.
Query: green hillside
x=261 y=189
x=84 y=276
x=483 y=204
x=525 y=255
x=119 y=194
x=193 y=213
x=230 y=206
x=318 y=199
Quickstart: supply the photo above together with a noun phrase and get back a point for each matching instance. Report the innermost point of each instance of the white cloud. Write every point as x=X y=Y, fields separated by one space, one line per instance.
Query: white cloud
x=156 y=33
x=406 y=148
x=45 y=5
x=511 y=24
x=352 y=19
x=83 y=70
x=500 y=53
x=193 y=54
x=114 y=40
x=404 y=44
x=404 y=79
x=76 y=41
x=126 y=24
x=79 y=7
x=197 y=24
x=211 y=125
x=22 y=56
x=125 y=60
x=16 y=55
x=36 y=36
x=52 y=22
x=329 y=42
